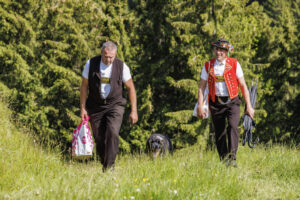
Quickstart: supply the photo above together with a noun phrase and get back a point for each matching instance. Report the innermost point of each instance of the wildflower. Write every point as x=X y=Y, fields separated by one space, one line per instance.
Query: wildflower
x=138 y=189
x=37 y=192
x=132 y=197
x=173 y=191
x=174 y=180
x=145 y=179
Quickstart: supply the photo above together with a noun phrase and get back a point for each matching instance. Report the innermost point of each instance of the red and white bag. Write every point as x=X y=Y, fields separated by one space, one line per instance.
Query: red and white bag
x=82 y=142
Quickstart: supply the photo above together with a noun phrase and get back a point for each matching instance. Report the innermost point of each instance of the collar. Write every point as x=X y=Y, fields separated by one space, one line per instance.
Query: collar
x=104 y=65
x=221 y=63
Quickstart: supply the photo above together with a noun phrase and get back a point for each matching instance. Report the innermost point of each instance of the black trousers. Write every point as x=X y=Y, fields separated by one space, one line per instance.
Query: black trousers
x=106 y=124
x=227 y=139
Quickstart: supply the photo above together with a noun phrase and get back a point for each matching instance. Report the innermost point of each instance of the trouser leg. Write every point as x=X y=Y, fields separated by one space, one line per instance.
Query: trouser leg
x=218 y=113
x=98 y=127
x=114 y=119
x=233 y=132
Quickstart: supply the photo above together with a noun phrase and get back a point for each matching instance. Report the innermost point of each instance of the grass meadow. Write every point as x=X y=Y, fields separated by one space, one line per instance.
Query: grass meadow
x=29 y=171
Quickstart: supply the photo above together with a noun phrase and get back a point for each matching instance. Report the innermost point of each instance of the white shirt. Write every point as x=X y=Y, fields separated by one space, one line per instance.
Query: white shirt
x=219 y=67
x=106 y=71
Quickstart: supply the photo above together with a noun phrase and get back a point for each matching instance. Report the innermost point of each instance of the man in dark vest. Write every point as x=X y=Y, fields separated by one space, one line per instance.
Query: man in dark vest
x=224 y=75
x=101 y=99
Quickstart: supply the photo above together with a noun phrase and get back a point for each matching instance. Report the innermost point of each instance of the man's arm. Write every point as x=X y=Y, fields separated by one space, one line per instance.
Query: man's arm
x=132 y=98
x=83 y=97
x=200 y=111
x=246 y=95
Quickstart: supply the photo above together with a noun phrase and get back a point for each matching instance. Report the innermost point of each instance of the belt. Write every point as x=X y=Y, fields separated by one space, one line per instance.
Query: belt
x=105 y=80
x=223 y=99
x=220 y=79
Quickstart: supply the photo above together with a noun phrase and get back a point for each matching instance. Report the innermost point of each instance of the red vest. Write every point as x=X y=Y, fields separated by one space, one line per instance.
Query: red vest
x=229 y=76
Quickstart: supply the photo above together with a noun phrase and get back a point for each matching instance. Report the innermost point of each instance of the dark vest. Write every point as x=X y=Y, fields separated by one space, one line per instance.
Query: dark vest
x=95 y=100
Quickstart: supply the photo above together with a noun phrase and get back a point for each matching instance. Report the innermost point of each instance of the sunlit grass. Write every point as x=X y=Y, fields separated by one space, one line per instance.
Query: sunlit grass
x=28 y=171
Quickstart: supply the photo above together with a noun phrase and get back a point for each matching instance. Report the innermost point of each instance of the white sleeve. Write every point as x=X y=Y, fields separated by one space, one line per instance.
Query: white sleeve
x=239 y=71
x=126 y=73
x=204 y=74
x=85 y=72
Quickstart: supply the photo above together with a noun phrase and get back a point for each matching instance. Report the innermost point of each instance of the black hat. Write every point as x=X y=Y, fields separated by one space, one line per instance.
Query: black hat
x=223 y=44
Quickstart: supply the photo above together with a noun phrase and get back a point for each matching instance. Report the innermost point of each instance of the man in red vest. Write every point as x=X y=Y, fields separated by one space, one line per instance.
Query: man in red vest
x=224 y=75
x=101 y=99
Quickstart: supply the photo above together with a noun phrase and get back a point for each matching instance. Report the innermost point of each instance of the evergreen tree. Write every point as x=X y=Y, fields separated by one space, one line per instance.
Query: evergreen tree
x=279 y=48
x=45 y=44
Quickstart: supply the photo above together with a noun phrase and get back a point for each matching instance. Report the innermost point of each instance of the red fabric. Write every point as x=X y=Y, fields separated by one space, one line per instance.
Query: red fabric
x=229 y=76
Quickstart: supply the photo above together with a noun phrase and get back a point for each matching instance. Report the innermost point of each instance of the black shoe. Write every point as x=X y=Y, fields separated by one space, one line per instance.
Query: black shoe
x=108 y=169
x=232 y=163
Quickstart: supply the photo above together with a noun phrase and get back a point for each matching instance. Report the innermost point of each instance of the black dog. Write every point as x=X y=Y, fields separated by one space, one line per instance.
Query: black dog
x=158 y=144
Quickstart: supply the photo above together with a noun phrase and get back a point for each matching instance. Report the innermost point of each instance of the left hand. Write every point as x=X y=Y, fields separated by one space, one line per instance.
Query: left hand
x=250 y=111
x=133 y=117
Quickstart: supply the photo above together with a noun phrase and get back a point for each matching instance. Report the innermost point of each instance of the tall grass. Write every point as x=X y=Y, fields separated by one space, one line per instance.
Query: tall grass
x=28 y=171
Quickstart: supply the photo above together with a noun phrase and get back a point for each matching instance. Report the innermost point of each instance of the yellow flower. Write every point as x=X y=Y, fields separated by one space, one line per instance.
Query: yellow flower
x=145 y=179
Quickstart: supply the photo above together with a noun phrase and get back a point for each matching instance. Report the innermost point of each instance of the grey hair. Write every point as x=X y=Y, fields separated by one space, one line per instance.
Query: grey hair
x=109 y=45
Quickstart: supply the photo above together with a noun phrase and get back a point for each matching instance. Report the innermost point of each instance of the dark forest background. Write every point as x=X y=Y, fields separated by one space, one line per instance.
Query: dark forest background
x=44 y=45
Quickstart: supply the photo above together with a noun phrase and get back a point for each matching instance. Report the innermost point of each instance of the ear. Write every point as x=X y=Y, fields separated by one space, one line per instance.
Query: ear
x=148 y=144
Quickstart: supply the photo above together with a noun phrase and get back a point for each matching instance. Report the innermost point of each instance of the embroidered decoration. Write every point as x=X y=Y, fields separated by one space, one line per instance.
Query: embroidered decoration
x=220 y=79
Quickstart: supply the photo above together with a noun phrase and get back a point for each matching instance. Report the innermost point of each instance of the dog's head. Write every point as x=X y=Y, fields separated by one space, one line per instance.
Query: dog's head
x=156 y=146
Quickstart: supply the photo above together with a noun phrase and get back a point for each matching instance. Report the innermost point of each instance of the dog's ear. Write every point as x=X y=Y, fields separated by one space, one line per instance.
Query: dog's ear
x=148 y=144
x=149 y=139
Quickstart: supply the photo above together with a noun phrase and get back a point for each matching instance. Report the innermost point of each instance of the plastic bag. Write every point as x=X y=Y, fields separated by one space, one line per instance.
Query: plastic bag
x=82 y=142
x=205 y=104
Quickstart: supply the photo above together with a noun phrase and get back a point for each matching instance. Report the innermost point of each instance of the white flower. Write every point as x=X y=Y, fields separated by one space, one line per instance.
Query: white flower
x=37 y=192
x=132 y=197
x=138 y=189
x=175 y=191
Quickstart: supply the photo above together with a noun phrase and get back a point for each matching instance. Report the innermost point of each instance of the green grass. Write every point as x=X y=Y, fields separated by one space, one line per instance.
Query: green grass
x=28 y=171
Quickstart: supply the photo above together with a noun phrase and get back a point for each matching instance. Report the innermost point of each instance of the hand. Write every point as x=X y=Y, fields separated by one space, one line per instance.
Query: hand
x=133 y=117
x=250 y=111
x=83 y=114
x=201 y=112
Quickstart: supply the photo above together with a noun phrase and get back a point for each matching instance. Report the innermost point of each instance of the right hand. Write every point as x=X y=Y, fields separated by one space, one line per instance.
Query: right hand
x=201 y=112
x=84 y=114
x=133 y=117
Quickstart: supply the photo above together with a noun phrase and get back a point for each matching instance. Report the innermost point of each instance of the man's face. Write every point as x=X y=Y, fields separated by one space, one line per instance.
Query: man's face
x=220 y=53
x=108 y=56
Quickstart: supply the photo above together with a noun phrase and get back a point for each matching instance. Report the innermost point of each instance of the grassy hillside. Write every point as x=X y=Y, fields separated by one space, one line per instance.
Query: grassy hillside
x=28 y=171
